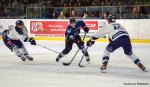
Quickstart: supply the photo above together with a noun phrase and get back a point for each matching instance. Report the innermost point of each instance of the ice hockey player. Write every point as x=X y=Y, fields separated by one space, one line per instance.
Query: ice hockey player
x=72 y=36
x=118 y=37
x=13 y=38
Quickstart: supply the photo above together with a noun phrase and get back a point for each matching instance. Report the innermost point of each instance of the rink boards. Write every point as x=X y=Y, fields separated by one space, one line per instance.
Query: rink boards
x=54 y=29
x=99 y=40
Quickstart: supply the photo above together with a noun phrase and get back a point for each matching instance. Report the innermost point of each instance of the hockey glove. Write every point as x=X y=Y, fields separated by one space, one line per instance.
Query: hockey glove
x=110 y=40
x=32 y=41
x=90 y=43
x=86 y=29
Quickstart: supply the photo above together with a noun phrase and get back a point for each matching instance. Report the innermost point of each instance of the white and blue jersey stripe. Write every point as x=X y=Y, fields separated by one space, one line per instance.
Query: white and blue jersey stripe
x=114 y=31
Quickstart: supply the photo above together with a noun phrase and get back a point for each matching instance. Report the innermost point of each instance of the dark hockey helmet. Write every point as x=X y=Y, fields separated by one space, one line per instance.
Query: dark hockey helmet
x=111 y=18
x=72 y=20
x=19 y=22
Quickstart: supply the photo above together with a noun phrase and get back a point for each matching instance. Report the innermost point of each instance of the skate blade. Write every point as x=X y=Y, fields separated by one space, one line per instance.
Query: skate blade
x=144 y=70
x=88 y=62
x=103 y=71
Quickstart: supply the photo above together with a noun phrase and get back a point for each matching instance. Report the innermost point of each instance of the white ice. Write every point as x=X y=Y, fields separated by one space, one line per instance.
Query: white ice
x=45 y=72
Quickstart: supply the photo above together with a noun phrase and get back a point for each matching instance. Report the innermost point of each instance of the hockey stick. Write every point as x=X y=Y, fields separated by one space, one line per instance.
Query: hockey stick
x=82 y=59
x=66 y=64
x=47 y=48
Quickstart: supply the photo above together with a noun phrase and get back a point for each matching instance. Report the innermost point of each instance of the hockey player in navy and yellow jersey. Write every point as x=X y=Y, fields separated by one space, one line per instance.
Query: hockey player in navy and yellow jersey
x=72 y=36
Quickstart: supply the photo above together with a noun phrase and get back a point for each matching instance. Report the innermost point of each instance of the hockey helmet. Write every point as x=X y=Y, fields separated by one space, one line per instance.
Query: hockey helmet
x=72 y=20
x=111 y=18
x=19 y=22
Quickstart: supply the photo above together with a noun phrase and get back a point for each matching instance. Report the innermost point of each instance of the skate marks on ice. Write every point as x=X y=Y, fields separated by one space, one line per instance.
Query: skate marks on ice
x=92 y=69
x=45 y=72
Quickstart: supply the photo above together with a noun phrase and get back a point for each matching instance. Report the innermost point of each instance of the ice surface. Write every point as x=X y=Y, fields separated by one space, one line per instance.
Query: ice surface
x=45 y=72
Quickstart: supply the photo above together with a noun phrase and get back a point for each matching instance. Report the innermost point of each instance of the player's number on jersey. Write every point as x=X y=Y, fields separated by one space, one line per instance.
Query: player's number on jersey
x=116 y=26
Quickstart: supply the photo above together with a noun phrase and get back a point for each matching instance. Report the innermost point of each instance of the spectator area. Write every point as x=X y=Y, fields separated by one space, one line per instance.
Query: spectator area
x=52 y=9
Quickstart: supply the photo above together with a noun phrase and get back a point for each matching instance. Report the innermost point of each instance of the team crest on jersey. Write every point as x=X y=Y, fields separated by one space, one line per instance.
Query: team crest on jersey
x=69 y=31
x=9 y=42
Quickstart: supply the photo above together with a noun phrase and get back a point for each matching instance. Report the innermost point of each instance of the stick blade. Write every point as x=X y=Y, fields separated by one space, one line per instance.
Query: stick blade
x=81 y=66
x=66 y=64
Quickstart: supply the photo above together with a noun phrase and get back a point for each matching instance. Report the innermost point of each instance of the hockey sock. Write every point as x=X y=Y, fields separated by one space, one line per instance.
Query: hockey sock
x=106 y=55
x=134 y=58
x=24 y=51
x=84 y=51
x=18 y=53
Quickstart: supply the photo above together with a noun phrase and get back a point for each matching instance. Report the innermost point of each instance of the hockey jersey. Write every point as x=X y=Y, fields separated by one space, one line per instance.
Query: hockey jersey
x=15 y=33
x=114 y=31
x=72 y=32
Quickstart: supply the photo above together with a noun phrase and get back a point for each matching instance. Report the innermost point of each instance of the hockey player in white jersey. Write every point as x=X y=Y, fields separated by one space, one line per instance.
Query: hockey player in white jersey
x=13 y=38
x=118 y=37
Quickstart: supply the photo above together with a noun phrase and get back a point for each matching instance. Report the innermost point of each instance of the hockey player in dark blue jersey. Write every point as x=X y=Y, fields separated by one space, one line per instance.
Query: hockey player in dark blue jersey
x=72 y=36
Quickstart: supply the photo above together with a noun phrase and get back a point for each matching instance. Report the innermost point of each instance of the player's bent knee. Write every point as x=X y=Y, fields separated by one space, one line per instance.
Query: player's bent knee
x=13 y=48
x=129 y=53
x=110 y=49
x=81 y=43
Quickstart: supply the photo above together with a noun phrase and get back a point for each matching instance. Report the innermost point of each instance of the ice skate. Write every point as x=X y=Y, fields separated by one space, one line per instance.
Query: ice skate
x=87 y=59
x=142 y=67
x=29 y=58
x=23 y=59
x=103 y=67
x=58 y=58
